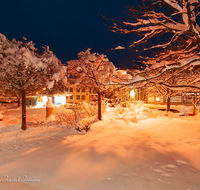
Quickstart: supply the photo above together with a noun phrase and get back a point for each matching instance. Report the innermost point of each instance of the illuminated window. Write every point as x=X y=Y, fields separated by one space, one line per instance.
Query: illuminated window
x=132 y=93
x=157 y=99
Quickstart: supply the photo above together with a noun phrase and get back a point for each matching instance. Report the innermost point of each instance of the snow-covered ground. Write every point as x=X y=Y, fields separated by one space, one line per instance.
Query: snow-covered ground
x=131 y=149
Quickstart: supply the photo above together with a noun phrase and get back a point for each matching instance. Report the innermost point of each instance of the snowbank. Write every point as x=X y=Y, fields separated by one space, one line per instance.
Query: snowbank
x=161 y=152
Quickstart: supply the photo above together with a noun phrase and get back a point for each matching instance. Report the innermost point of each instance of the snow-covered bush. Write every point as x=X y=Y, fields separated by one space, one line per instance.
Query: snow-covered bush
x=79 y=115
x=134 y=113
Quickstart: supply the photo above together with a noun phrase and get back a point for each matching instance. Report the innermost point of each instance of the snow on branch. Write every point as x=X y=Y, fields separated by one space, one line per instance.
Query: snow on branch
x=153 y=19
x=160 y=77
x=22 y=67
x=91 y=69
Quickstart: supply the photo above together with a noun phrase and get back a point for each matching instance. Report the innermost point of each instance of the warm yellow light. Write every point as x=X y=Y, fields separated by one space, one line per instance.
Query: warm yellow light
x=44 y=88
x=157 y=99
x=132 y=93
x=36 y=93
x=123 y=72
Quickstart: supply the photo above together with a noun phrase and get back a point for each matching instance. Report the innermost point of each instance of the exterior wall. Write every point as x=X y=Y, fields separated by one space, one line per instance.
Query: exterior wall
x=124 y=94
x=184 y=99
x=31 y=101
x=73 y=94
x=77 y=94
x=155 y=99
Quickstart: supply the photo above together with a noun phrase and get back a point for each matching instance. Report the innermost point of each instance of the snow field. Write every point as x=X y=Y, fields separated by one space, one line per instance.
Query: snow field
x=160 y=152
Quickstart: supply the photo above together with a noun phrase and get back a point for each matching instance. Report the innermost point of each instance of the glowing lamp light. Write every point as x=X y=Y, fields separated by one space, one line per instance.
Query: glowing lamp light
x=123 y=72
x=157 y=99
x=44 y=88
x=36 y=93
x=44 y=99
x=132 y=93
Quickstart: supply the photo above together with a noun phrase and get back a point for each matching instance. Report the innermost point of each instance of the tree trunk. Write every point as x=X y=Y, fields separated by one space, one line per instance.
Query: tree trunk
x=23 y=110
x=194 y=102
x=18 y=102
x=168 y=103
x=99 y=106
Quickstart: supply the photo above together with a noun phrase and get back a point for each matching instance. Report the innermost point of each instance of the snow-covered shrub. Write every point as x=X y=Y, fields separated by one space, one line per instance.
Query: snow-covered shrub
x=120 y=110
x=89 y=108
x=72 y=118
x=134 y=113
x=79 y=116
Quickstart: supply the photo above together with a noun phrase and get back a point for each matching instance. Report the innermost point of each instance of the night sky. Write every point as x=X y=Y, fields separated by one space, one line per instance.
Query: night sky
x=69 y=26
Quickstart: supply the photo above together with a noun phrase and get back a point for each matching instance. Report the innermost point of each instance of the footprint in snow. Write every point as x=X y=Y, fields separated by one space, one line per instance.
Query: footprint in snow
x=158 y=170
x=169 y=168
x=164 y=170
x=179 y=162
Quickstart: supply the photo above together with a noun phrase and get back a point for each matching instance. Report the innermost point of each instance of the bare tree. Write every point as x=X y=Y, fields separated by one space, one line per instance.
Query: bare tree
x=157 y=17
x=165 y=24
x=92 y=70
x=23 y=69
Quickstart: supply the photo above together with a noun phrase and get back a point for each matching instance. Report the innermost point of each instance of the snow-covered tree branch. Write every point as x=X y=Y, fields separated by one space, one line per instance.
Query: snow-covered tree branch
x=92 y=70
x=177 y=18
x=23 y=69
x=170 y=25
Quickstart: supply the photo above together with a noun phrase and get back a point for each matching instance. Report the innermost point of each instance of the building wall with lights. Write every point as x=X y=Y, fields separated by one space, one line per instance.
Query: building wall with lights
x=184 y=99
x=79 y=94
x=73 y=93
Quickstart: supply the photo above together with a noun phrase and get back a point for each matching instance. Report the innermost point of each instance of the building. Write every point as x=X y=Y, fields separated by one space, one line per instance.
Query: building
x=183 y=99
x=74 y=93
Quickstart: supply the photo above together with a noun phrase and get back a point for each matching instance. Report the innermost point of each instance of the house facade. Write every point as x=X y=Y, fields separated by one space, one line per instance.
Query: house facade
x=183 y=99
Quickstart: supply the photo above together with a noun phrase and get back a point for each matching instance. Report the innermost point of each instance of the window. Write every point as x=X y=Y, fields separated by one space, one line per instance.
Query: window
x=83 y=97
x=94 y=91
x=78 y=97
x=83 y=89
x=71 y=97
x=66 y=89
x=157 y=99
x=175 y=99
x=66 y=97
x=78 y=90
x=71 y=89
